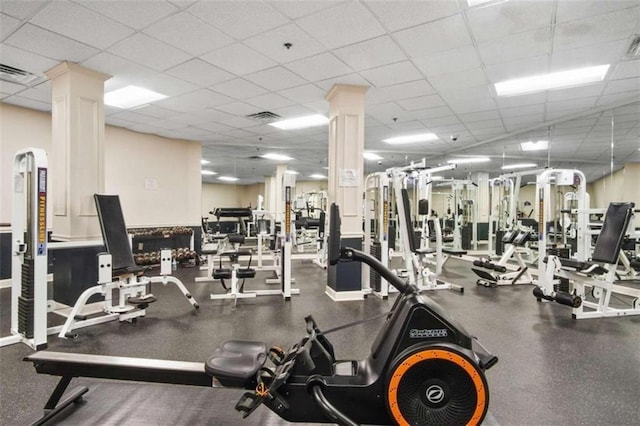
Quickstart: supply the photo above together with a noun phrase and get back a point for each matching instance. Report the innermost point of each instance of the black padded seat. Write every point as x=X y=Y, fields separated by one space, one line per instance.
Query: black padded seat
x=588 y=268
x=444 y=239
x=236 y=363
x=222 y=274
x=453 y=252
x=427 y=250
x=246 y=273
x=209 y=251
x=127 y=270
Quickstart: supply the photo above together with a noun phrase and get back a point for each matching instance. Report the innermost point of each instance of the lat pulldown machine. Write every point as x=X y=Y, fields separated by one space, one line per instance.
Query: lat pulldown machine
x=424 y=367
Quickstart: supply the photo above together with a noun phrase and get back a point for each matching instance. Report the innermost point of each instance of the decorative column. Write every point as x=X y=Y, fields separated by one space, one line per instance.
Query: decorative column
x=346 y=145
x=77 y=168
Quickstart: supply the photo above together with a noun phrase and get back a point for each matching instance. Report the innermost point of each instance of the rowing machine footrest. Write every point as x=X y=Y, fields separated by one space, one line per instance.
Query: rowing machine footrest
x=222 y=274
x=246 y=273
x=236 y=363
x=247 y=403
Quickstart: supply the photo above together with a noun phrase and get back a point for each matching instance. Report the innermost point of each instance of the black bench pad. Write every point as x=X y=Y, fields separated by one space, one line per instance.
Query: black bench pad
x=453 y=252
x=580 y=266
x=428 y=250
x=236 y=363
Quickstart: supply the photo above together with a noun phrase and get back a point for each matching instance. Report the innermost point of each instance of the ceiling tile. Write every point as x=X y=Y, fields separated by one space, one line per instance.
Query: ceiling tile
x=148 y=51
x=11 y=88
x=199 y=72
x=202 y=116
x=240 y=20
x=459 y=79
x=392 y=74
x=200 y=37
x=567 y=10
x=480 y=116
x=517 y=69
x=237 y=108
x=276 y=78
x=269 y=102
x=403 y=14
x=421 y=102
x=7 y=25
x=617 y=97
x=456 y=95
x=302 y=94
x=507 y=18
x=596 y=29
x=272 y=43
x=354 y=78
x=411 y=89
x=41 y=92
x=194 y=101
x=595 y=54
x=576 y=92
x=445 y=34
x=27 y=103
x=166 y=84
x=344 y=24
x=238 y=59
x=22 y=9
x=628 y=69
x=626 y=85
x=293 y=111
x=156 y=111
x=371 y=53
x=473 y=106
x=298 y=9
x=432 y=113
x=319 y=67
x=212 y=126
x=24 y=60
x=518 y=46
x=460 y=59
x=516 y=101
x=238 y=89
x=385 y=112
x=135 y=14
x=447 y=120
x=522 y=110
x=79 y=23
x=50 y=45
x=119 y=68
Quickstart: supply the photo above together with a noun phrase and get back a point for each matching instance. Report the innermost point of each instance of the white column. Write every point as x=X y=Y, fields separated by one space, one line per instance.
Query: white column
x=77 y=155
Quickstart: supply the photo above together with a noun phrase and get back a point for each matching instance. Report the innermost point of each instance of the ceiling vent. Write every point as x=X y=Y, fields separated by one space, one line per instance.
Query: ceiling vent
x=634 y=48
x=255 y=157
x=15 y=75
x=264 y=117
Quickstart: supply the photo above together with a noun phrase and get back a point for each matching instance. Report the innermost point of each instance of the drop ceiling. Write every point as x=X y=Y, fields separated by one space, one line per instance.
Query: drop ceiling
x=430 y=67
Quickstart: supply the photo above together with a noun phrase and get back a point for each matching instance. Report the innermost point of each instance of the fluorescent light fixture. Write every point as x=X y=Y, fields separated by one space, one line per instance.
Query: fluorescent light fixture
x=301 y=122
x=420 y=137
x=208 y=172
x=554 y=80
x=469 y=160
x=292 y=172
x=276 y=157
x=204 y=161
x=534 y=146
x=472 y=3
x=131 y=96
x=317 y=176
x=519 y=166
x=371 y=156
x=228 y=178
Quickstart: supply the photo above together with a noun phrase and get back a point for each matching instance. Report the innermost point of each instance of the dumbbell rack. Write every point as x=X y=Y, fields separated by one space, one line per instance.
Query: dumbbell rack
x=147 y=243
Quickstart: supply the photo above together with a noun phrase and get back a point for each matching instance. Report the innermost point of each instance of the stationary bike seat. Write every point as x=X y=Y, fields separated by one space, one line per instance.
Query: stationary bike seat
x=236 y=363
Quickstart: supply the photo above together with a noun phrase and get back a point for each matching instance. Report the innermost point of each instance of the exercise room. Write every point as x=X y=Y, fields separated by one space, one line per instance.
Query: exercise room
x=270 y=212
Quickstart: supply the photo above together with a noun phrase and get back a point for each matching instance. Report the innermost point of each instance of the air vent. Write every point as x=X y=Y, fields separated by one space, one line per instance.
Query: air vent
x=634 y=47
x=264 y=117
x=255 y=157
x=15 y=75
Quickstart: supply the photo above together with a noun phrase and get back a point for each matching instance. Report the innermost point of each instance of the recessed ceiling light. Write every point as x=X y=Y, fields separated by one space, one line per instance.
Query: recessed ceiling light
x=554 y=80
x=276 y=157
x=534 y=146
x=131 y=96
x=301 y=122
x=292 y=172
x=371 y=156
x=469 y=160
x=204 y=161
x=317 y=176
x=208 y=172
x=228 y=178
x=421 y=137
x=519 y=166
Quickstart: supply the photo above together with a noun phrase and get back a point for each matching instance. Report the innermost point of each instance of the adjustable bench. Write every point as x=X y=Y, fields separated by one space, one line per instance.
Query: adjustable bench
x=495 y=274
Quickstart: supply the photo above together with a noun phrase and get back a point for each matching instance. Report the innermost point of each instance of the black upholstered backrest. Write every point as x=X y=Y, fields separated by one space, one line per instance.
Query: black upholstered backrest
x=615 y=225
x=407 y=219
x=333 y=245
x=114 y=230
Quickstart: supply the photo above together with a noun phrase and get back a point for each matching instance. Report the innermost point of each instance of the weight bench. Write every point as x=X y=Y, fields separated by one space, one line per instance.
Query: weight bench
x=593 y=281
x=495 y=274
x=117 y=270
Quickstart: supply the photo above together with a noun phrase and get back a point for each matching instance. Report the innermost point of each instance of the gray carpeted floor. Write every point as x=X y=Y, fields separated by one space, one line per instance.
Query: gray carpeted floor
x=552 y=369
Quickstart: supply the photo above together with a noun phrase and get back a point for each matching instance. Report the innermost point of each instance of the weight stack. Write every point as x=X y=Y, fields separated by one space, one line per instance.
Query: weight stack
x=26 y=300
x=374 y=277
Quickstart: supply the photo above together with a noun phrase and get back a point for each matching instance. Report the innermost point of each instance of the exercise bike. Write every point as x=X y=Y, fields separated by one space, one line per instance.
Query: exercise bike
x=424 y=368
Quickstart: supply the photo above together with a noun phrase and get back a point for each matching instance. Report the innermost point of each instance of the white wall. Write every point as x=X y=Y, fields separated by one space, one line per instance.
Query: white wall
x=623 y=185
x=216 y=195
x=171 y=168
